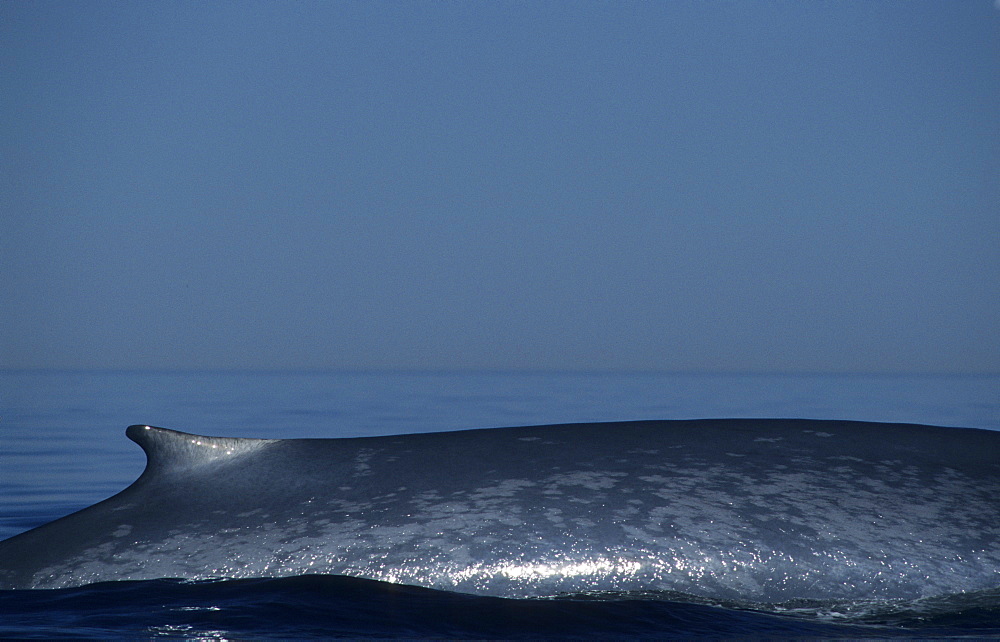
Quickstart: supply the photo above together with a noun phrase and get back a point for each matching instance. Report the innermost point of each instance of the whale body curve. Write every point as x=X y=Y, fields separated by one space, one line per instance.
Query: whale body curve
x=761 y=510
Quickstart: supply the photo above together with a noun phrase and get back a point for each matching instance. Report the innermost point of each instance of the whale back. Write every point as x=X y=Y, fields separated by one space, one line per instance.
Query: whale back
x=767 y=510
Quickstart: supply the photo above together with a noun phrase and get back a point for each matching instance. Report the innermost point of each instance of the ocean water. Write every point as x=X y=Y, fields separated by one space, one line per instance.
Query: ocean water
x=62 y=448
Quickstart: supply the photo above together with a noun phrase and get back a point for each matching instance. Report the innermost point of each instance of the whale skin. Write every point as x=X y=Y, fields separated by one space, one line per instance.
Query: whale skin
x=767 y=510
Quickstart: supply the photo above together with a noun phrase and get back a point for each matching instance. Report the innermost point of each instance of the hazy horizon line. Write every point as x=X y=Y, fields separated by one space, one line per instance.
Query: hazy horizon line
x=495 y=371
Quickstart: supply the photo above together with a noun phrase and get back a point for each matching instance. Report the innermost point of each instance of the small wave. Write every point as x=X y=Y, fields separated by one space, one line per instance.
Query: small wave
x=317 y=606
x=971 y=610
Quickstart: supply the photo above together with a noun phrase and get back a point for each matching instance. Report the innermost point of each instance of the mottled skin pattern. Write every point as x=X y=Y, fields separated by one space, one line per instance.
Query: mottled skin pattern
x=763 y=510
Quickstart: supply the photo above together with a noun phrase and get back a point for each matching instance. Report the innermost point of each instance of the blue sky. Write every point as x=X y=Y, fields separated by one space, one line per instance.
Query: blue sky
x=690 y=186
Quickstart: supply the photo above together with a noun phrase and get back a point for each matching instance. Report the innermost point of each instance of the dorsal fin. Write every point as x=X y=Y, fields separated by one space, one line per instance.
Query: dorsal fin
x=171 y=450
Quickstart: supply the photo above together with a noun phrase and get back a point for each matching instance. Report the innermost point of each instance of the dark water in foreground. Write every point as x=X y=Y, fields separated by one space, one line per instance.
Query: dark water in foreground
x=331 y=606
x=62 y=448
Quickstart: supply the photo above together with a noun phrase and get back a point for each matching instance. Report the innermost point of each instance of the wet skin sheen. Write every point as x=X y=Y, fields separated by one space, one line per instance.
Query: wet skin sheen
x=762 y=510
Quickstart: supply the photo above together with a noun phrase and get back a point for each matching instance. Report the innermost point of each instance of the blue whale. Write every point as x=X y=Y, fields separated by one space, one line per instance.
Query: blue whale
x=758 y=510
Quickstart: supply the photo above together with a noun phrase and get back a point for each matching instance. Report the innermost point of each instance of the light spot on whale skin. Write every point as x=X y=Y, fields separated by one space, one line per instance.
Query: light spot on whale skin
x=361 y=466
x=592 y=480
x=506 y=488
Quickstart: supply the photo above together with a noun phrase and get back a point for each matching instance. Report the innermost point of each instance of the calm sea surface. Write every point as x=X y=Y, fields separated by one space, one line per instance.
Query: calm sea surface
x=62 y=447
